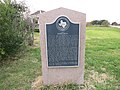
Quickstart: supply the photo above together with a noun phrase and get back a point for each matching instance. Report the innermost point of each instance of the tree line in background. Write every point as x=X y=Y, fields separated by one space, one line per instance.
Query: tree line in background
x=104 y=23
x=16 y=29
x=115 y=24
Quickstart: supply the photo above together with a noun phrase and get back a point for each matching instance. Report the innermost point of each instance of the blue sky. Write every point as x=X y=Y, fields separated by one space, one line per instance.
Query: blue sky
x=94 y=9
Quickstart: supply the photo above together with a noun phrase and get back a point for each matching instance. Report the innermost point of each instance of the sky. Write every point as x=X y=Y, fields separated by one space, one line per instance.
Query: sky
x=94 y=9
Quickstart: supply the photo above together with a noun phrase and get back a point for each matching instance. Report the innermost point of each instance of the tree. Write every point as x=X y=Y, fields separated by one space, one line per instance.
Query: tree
x=95 y=22
x=105 y=23
x=100 y=22
x=114 y=23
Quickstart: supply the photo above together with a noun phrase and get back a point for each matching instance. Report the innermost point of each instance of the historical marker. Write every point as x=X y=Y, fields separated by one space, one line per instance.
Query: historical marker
x=62 y=42
x=62 y=33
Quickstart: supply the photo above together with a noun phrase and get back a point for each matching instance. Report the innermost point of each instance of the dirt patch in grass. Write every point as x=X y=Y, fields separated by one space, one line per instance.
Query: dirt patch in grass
x=95 y=78
x=99 y=78
x=89 y=84
x=38 y=83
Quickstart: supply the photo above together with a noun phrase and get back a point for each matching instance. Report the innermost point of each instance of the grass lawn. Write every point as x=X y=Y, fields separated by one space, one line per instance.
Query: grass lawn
x=102 y=64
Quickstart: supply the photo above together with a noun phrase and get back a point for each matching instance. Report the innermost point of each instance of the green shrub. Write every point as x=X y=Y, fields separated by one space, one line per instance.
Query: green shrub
x=13 y=31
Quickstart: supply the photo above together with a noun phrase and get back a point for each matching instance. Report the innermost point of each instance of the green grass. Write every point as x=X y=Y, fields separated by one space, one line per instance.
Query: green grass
x=102 y=64
x=19 y=74
x=103 y=56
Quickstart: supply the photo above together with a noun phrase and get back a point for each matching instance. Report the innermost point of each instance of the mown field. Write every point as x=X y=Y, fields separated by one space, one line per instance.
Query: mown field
x=102 y=65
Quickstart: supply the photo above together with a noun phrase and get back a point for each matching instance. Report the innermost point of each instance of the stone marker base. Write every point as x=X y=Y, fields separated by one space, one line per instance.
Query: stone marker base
x=60 y=75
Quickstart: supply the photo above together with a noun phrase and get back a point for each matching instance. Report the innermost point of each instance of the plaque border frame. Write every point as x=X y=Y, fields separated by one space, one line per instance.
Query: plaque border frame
x=78 y=46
